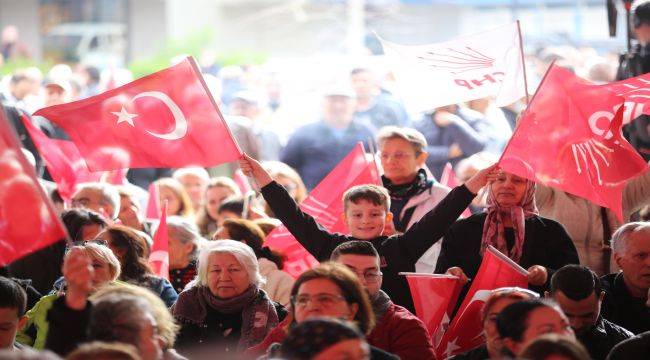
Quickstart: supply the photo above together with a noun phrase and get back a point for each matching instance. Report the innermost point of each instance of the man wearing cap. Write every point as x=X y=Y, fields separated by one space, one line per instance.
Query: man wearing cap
x=315 y=149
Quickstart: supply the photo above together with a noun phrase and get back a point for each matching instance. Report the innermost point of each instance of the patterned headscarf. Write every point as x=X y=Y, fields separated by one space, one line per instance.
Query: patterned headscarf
x=312 y=336
x=494 y=229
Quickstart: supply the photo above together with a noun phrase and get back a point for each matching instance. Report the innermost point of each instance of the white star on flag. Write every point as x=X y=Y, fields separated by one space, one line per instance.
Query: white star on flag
x=124 y=116
x=451 y=347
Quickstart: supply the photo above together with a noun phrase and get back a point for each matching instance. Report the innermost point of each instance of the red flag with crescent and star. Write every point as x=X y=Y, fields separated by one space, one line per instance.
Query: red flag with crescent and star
x=466 y=330
x=166 y=119
x=570 y=137
x=159 y=257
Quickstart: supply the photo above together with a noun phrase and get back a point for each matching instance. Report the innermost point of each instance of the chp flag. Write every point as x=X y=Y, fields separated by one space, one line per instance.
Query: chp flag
x=165 y=119
x=470 y=67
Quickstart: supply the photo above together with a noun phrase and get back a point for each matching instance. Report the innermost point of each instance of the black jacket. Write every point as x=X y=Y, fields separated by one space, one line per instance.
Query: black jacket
x=546 y=243
x=602 y=337
x=621 y=308
x=636 y=348
x=67 y=327
x=398 y=253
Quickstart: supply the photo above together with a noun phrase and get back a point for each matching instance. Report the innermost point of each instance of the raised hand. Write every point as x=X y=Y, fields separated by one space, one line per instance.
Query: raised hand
x=252 y=168
x=459 y=273
x=78 y=272
x=482 y=177
x=537 y=275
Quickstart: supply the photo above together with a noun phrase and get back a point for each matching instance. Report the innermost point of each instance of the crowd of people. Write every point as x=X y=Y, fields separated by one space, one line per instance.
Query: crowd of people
x=226 y=294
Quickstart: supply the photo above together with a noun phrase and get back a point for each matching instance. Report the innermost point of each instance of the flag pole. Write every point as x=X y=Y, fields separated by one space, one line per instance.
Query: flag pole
x=523 y=61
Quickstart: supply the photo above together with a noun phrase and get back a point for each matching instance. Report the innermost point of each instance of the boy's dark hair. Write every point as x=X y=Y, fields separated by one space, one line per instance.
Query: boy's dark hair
x=369 y=192
x=233 y=204
x=12 y=296
x=641 y=13
x=513 y=319
x=355 y=248
x=576 y=282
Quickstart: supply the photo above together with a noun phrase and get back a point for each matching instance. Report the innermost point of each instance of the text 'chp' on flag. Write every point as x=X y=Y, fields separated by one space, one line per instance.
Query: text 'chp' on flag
x=466 y=330
x=465 y=68
x=570 y=137
x=27 y=219
x=166 y=119
x=325 y=204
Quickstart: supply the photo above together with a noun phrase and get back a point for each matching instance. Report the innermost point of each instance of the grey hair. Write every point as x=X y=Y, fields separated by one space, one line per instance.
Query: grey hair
x=109 y=193
x=242 y=252
x=185 y=232
x=622 y=235
x=118 y=317
x=414 y=137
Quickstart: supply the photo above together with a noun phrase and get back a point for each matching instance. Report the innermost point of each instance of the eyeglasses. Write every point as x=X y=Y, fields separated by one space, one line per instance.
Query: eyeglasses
x=93 y=241
x=371 y=277
x=324 y=300
x=397 y=156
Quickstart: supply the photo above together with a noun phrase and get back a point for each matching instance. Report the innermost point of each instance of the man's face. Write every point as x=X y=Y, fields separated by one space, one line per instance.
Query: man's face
x=338 y=110
x=364 y=84
x=635 y=262
x=23 y=88
x=642 y=34
x=366 y=220
x=10 y=323
x=55 y=95
x=582 y=314
x=366 y=268
x=92 y=200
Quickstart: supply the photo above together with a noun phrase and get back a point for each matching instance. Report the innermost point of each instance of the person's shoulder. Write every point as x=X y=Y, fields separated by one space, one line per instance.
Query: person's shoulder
x=615 y=330
x=401 y=314
x=378 y=354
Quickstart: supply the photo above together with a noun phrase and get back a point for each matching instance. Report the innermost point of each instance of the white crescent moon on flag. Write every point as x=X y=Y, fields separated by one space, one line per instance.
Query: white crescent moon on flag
x=180 y=126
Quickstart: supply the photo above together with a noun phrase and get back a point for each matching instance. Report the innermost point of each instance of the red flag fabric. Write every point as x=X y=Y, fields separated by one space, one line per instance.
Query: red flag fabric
x=449 y=179
x=325 y=204
x=434 y=297
x=564 y=141
x=27 y=219
x=159 y=257
x=153 y=207
x=166 y=119
x=466 y=330
x=65 y=164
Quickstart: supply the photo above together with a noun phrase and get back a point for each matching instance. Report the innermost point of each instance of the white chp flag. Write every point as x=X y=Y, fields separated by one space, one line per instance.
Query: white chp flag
x=465 y=68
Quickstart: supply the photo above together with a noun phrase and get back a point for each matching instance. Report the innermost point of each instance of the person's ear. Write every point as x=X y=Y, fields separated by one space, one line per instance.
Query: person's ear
x=601 y=296
x=22 y=322
x=618 y=259
x=344 y=217
x=389 y=216
x=547 y=294
x=420 y=159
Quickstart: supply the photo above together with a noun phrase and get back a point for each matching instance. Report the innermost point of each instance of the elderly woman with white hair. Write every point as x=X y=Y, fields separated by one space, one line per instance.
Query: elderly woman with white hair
x=224 y=307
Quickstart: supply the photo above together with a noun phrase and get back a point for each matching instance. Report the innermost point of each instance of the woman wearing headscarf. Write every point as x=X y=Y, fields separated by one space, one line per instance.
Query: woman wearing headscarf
x=512 y=225
x=224 y=307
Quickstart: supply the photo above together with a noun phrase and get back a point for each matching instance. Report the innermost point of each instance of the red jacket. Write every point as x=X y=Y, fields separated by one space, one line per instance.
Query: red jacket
x=276 y=335
x=403 y=334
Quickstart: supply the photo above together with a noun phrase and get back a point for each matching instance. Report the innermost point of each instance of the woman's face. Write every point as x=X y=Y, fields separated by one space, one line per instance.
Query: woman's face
x=288 y=184
x=179 y=253
x=213 y=198
x=399 y=160
x=352 y=349
x=101 y=273
x=227 y=278
x=322 y=297
x=129 y=215
x=543 y=320
x=173 y=202
x=509 y=189
x=195 y=187
x=490 y=325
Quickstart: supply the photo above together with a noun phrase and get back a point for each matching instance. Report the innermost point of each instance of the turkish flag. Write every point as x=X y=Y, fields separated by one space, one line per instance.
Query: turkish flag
x=153 y=207
x=166 y=119
x=27 y=219
x=325 y=204
x=564 y=141
x=449 y=179
x=159 y=257
x=65 y=164
x=434 y=297
x=466 y=329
